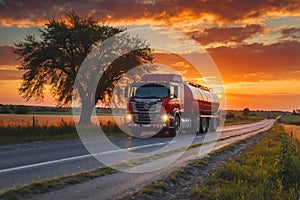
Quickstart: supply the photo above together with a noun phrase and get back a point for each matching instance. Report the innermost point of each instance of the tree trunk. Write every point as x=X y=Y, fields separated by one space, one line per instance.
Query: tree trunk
x=86 y=113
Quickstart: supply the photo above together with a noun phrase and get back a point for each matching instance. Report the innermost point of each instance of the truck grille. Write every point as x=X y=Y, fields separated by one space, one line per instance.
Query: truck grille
x=146 y=112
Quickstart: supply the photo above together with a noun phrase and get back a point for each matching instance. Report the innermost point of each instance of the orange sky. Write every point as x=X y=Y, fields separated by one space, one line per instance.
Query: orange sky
x=255 y=44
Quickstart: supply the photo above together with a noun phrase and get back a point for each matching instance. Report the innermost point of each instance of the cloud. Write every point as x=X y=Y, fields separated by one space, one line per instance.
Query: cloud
x=257 y=58
x=7 y=57
x=291 y=33
x=227 y=34
x=178 y=63
x=35 y=12
x=246 y=62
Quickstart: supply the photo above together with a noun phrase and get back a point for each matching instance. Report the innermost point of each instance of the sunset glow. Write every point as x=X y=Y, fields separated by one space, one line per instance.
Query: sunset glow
x=255 y=45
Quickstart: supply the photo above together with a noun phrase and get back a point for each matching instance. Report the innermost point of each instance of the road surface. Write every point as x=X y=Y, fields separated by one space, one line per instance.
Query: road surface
x=22 y=164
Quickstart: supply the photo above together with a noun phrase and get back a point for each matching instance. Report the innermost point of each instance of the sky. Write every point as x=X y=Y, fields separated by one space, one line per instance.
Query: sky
x=255 y=44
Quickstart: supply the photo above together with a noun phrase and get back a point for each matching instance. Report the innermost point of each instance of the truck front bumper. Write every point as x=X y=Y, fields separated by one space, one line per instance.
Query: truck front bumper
x=147 y=126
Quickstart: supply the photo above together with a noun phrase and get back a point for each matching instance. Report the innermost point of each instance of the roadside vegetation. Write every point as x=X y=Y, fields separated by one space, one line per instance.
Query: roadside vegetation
x=269 y=170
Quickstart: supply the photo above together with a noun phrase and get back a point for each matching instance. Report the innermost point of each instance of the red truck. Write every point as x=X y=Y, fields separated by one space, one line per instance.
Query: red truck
x=165 y=103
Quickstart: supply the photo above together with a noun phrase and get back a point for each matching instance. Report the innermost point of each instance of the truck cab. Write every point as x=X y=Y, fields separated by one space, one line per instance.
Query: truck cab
x=153 y=105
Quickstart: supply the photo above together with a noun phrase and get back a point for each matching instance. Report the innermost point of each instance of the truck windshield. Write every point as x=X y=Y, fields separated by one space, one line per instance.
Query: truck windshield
x=152 y=91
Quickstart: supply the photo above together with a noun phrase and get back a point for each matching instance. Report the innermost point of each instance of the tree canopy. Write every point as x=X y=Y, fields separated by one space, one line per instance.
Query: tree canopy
x=55 y=57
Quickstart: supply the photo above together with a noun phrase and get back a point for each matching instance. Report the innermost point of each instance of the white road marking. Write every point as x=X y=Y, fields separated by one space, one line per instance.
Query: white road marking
x=81 y=157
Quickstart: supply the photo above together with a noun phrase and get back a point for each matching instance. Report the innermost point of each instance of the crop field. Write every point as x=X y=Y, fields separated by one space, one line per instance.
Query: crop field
x=18 y=128
x=27 y=120
x=292 y=130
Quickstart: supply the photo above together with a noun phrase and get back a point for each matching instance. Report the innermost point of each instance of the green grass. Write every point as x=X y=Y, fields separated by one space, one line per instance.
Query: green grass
x=42 y=187
x=152 y=188
x=234 y=117
x=269 y=170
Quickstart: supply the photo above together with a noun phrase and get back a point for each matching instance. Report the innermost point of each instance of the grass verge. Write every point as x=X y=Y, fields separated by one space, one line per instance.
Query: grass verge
x=269 y=170
x=41 y=187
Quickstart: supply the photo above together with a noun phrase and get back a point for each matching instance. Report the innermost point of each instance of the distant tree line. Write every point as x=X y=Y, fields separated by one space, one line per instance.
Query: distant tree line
x=14 y=109
x=22 y=109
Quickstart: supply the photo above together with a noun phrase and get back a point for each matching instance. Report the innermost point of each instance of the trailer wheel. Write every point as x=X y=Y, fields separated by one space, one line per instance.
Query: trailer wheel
x=176 y=130
x=204 y=125
x=196 y=125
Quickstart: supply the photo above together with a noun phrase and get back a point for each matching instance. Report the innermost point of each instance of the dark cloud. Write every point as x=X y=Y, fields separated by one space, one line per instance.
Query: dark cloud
x=166 y=10
x=227 y=34
x=291 y=33
x=7 y=57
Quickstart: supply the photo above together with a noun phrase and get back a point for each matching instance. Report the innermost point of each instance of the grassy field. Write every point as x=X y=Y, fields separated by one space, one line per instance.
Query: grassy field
x=269 y=170
x=289 y=118
x=27 y=120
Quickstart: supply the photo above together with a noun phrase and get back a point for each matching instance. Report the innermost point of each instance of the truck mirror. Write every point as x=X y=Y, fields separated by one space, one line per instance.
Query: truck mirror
x=171 y=95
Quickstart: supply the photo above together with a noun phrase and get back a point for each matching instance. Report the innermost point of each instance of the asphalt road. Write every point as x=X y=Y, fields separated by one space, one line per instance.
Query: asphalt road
x=22 y=164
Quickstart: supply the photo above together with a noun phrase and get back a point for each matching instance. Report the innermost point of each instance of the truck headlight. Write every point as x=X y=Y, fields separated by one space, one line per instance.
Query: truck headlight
x=164 y=117
x=129 y=117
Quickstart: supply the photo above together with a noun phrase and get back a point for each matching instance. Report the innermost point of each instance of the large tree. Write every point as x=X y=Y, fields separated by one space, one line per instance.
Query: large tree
x=54 y=58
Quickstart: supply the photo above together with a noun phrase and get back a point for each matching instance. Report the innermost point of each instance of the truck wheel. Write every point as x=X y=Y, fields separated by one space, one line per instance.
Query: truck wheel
x=176 y=130
x=204 y=125
x=136 y=132
x=213 y=125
